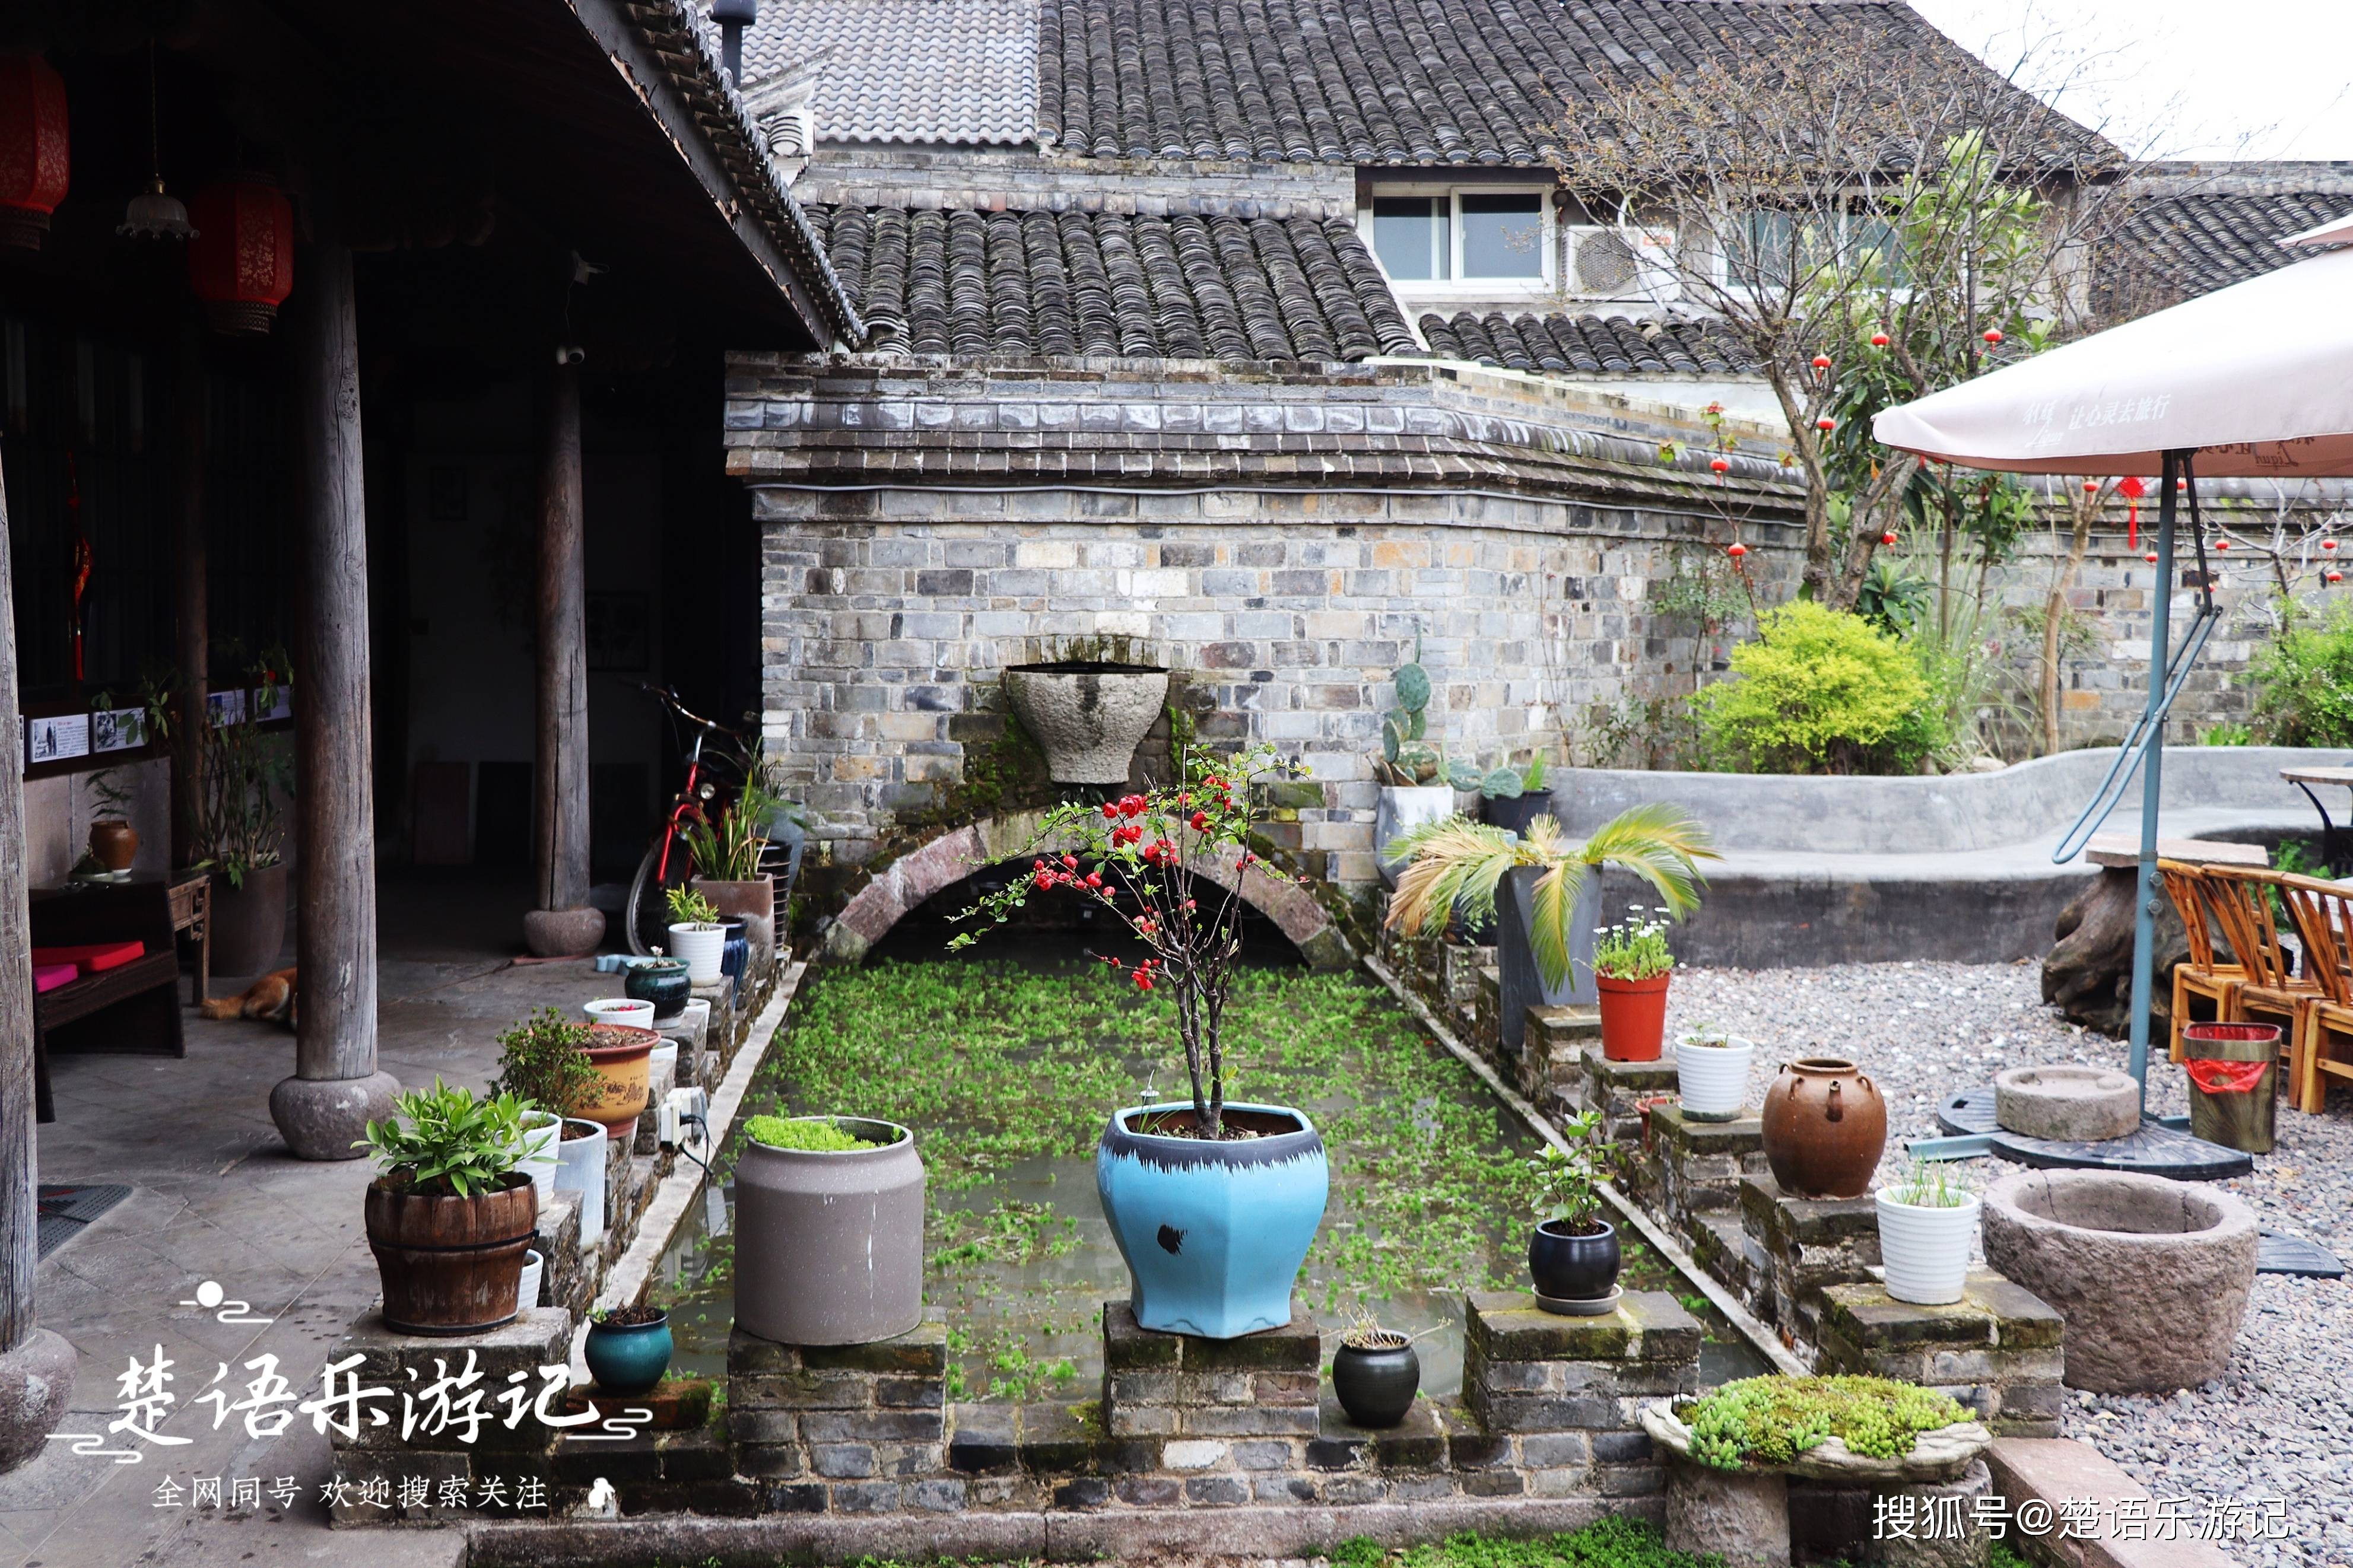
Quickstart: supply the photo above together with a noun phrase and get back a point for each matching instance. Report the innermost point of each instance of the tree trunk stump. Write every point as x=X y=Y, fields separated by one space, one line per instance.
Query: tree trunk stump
x=2089 y=972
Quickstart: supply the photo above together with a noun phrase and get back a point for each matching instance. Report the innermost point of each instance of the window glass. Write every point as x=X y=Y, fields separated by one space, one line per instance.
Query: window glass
x=1409 y=236
x=1502 y=236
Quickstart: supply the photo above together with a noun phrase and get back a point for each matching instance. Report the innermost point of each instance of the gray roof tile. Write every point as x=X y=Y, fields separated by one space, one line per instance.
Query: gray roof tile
x=906 y=71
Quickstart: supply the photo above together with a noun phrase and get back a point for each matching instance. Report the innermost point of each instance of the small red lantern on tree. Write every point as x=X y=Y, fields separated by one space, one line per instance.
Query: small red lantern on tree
x=1735 y=550
x=2336 y=576
x=2150 y=558
x=1992 y=336
x=1821 y=369
x=34 y=162
x=1720 y=465
x=2329 y=544
x=1826 y=422
x=1879 y=339
x=241 y=259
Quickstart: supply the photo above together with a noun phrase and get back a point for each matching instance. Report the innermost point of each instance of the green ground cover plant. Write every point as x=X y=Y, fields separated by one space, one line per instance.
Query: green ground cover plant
x=1613 y=1543
x=809 y=1134
x=1821 y=692
x=1772 y=1420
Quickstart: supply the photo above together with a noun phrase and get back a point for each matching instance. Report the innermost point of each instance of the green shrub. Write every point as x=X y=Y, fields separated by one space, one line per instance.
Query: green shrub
x=1821 y=692
x=816 y=1134
x=2304 y=681
x=1772 y=1420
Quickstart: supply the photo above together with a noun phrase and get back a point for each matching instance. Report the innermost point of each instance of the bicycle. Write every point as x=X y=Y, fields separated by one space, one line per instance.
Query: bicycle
x=669 y=860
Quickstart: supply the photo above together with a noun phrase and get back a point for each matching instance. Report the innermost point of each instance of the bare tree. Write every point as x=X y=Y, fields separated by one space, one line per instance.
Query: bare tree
x=1869 y=211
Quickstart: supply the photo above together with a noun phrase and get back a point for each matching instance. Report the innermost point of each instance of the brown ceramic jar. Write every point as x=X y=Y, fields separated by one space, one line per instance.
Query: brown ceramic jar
x=113 y=843
x=1825 y=1126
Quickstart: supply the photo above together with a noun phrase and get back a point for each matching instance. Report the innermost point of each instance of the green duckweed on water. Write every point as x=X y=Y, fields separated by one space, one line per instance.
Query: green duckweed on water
x=1006 y=1072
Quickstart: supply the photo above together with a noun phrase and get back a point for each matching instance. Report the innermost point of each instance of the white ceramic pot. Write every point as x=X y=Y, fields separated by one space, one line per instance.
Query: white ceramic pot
x=539 y=1158
x=1403 y=806
x=1713 y=1079
x=580 y=1168
x=626 y=1010
x=534 y=1268
x=700 y=948
x=1925 y=1250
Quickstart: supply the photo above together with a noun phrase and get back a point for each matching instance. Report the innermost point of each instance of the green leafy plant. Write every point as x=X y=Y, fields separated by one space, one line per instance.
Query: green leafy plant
x=729 y=850
x=1569 y=1183
x=2227 y=734
x=1894 y=598
x=690 y=908
x=542 y=1062
x=813 y=1134
x=444 y=1142
x=1930 y=1184
x=243 y=772
x=1822 y=691
x=1532 y=780
x=1614 y=1541
x=1406 y=756
x=1772 y=1420
x=1454 y=861
x=1632 y=950
x=2304 y=680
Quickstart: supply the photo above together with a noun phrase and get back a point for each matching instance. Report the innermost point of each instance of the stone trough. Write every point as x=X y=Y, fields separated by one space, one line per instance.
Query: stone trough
x=2151 y=1276
x=2082 y=1103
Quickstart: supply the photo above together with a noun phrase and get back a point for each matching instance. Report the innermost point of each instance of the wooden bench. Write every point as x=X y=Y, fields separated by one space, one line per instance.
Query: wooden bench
x=134 y=1007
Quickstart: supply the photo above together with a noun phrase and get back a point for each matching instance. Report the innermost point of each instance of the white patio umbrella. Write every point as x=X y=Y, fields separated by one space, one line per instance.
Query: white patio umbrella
x=2251 y=380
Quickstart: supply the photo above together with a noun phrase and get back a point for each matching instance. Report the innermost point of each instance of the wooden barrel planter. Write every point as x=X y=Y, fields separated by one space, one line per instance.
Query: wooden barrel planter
x=451 y=1264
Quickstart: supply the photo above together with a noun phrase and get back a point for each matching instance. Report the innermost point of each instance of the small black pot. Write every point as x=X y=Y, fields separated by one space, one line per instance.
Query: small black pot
x=1570 y=1267
x=662 y=982
x=1517 y=812
x=1376 y=1388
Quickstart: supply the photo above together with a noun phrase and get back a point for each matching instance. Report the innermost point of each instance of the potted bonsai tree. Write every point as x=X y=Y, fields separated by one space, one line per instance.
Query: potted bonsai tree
x=448 y=1216
x=1213 y=1203
x=1548 y=898
x=1925 y=1222
x=1632 y=966
x=829 y=1230
x=1573 y=1255
x=1374 y=1372
x=695 y=934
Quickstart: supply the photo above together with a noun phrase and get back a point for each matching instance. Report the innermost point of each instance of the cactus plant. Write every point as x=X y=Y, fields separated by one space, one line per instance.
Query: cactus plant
x=1407 y=759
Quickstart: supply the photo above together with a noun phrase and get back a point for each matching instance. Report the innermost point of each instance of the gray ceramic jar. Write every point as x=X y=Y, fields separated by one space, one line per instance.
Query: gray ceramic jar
x=829 y=1247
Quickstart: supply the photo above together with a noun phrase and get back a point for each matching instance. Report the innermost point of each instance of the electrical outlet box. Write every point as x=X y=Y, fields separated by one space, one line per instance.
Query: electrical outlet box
x=679 y=1122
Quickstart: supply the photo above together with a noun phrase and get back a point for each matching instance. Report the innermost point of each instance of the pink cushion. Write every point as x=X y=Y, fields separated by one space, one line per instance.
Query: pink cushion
x=91 y=957
x=49 y=976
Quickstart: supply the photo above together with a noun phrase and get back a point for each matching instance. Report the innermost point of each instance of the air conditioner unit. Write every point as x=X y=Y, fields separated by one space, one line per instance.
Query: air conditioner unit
x=1622 y=261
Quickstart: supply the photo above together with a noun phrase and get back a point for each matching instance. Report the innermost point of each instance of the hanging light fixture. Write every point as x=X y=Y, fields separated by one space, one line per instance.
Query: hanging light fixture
x=152 y=214
x=32 y=148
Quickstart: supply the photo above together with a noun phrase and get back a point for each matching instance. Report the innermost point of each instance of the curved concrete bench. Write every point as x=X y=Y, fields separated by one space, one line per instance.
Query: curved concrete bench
x=1821 y=870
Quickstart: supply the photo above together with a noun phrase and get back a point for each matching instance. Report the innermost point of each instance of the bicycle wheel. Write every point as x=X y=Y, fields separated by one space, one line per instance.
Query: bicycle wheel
x=648 y=911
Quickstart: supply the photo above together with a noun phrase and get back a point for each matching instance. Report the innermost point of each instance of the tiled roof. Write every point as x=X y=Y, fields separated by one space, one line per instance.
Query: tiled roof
x=1385 y=82
x=2180 y=245
x=1586 y=346
x=1184 y=287
x=905 y=70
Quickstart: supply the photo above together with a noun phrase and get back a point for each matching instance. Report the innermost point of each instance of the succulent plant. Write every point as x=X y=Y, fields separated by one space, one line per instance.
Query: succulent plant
x=1406 y=758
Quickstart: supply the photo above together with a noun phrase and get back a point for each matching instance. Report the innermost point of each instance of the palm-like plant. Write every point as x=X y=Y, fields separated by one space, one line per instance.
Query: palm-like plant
x=1455 y=861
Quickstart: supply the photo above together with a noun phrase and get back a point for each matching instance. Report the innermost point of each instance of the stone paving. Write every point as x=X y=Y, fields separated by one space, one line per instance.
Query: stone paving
x=216 y=1197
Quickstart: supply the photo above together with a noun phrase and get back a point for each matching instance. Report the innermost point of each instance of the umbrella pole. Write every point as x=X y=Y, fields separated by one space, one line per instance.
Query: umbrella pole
x=2160 y=641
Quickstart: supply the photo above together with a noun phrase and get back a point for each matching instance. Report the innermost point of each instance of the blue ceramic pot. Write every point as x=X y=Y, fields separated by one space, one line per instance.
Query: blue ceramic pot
x=662 y=982
x=1213 y=1233
x=736 y=955
x=630 y=1360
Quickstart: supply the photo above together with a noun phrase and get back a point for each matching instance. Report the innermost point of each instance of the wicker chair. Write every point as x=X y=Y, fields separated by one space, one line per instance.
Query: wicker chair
x=2202 y=977
x=2323 y=912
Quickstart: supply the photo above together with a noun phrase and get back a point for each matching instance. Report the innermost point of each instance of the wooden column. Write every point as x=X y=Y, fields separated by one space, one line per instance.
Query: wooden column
x=195 y=604
x=563 y=922
x=336 y=1088
x=36 y=1365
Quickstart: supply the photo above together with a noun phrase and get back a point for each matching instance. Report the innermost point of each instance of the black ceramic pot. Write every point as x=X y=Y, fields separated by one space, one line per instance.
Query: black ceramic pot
x=1516 y=813
x=1569 y=1267
x=1376 y=1386
x=663 y=983
x=735 y=956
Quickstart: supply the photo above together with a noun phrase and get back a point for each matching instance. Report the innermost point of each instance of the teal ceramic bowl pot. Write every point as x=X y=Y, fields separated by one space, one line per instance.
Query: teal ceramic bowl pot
x=627 y=1359
x=1213 y=1233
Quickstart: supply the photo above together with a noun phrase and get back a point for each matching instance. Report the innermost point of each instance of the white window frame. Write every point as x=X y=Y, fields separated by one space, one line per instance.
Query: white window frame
x=1456 y=285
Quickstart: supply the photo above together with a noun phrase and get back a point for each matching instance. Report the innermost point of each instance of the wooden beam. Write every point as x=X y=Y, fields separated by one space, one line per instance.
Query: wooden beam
x=336 y=1088
x=19 y=1212
x=561 y=758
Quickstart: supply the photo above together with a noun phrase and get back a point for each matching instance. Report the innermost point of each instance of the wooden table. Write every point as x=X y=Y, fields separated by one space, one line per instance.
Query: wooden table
x=2336 y=843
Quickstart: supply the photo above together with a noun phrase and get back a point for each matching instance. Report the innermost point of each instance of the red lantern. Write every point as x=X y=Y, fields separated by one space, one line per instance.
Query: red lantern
x=2336 y=576
x=1992 y=336
x=1719 y=465
x=32 y=148
x=1826 y=422
x=1879 y=339
x=1821 y=369
x=241 y=260
x=2329 y=544
x=2151 y=559
x=1886 y=539
x=2130 y=488
x=2221 y=544
x=1735 y=550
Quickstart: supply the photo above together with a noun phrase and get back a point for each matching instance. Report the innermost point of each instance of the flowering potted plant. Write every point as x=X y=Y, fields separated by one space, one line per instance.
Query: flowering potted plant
x=1632 y=967
x=1925 y=1222
x=1573 y=1255
x=1213 y=1203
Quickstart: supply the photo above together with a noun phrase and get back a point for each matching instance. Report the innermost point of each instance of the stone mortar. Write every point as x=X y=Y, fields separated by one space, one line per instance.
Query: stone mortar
x=2152 y=1276
x=2075 y=1104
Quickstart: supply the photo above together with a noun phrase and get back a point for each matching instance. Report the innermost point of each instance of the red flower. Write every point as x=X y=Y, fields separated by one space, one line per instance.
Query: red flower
x=1070 y=862
x=1131 y=806
x=1094 y=880
x=1200 y=822
x=1110 y=811
x=1143 y=980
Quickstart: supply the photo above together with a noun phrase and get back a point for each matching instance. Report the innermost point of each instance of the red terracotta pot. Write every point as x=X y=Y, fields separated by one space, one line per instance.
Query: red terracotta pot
x=1633 y=1017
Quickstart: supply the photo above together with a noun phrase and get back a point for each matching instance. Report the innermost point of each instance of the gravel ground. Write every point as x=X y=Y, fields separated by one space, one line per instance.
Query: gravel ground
x=2280 y=1425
